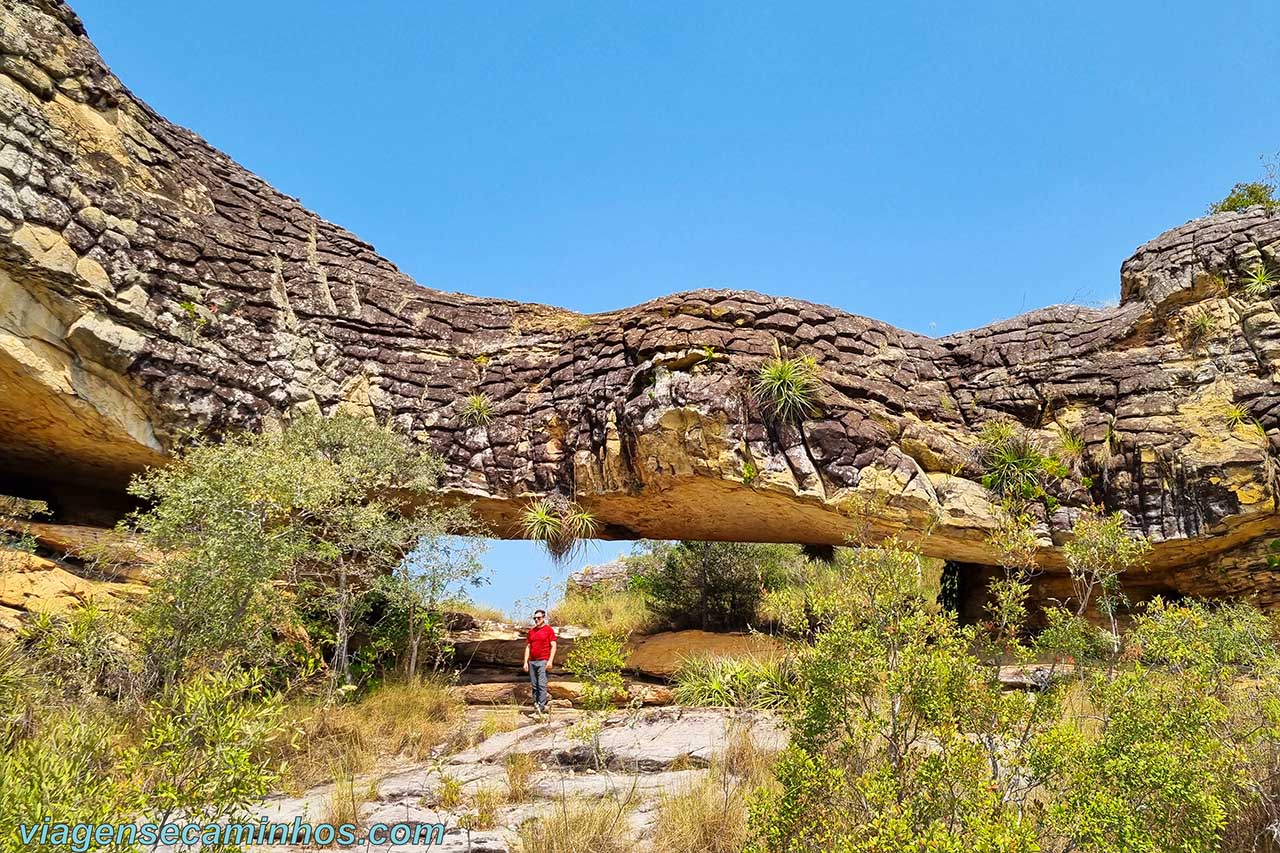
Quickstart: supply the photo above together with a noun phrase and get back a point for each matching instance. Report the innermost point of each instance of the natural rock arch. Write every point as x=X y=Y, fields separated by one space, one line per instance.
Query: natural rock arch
x=149 y=284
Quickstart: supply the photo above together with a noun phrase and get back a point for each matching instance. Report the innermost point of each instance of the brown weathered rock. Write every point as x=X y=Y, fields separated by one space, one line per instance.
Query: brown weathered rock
x=30 y=584
x=659 y=655
x=611 y=576
x=149 y=284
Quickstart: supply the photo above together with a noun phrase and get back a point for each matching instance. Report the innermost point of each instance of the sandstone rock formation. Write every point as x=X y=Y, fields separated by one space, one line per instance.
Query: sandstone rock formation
x=612 y=576
x=150 y=285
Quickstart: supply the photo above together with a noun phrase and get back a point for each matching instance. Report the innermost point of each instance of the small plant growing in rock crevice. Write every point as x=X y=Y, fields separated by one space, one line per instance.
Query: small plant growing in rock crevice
x=749 y=473
x=1258 y=281
x=1071 y=447
x=477 y=410
x=1200 y=327
x=788 y=387
x=559 y=524
x=1237 y=415
x=1015 y=466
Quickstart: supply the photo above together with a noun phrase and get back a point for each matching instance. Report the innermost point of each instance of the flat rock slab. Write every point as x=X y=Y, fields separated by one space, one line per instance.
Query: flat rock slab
x=520 y=693
x=649 y=741
x=660 y=655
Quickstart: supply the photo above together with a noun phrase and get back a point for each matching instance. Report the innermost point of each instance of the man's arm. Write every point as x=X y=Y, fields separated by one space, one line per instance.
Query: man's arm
x=526 y=654
x=551 y=658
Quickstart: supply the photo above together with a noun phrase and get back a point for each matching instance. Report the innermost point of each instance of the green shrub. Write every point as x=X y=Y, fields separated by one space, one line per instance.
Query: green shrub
x=896 y=728
x=598 y=660
x=203 y=747
x=788 y=387
x=477 y=410
x=325 y=506
x=66 y=772
x=1098 y=554
x=902 y=740
x=81 y=652
x=712 y=585
x=1246 y=195
x=743 y=682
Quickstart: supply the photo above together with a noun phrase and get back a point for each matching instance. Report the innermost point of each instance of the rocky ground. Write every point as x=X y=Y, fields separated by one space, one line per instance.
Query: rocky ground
x=643 y=753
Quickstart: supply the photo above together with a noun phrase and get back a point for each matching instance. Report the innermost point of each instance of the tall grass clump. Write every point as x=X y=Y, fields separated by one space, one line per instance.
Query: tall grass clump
x=576 y=825
x=623 y=612
x=733 y=682
x=788 y=387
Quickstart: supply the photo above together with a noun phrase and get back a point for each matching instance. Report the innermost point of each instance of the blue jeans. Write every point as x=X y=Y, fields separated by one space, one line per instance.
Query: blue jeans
x=538 y=679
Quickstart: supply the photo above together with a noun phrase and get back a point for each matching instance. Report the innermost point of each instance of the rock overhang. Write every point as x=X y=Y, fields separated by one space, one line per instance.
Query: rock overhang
x=151 y=285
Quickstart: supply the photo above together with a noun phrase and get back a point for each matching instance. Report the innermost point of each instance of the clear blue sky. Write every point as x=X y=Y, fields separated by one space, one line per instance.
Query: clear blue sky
x=933 y=165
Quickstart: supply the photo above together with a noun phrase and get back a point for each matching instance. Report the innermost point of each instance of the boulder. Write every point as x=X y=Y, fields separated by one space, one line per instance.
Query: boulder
x=612 y=576
x=659 y=655
x=29 y=583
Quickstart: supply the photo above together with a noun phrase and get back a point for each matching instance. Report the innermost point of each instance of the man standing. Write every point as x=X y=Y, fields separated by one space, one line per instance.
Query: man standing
x=539 y=657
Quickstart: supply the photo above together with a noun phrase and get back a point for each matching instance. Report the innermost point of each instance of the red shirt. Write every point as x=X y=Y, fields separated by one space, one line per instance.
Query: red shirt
x=540 y=639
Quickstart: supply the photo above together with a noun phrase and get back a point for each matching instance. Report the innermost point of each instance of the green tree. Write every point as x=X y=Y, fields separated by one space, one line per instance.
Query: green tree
x=1246 y=195
x=712 y=585
x=437 y=569
x=324 y=506
x=1098 y=554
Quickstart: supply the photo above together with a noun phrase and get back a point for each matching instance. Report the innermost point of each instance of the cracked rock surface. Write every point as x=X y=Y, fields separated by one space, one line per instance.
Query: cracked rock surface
x=150 y=285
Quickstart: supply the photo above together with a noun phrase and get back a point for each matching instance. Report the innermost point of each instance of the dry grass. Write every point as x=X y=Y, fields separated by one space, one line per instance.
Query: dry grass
x=621 y=613
x=706 y=816
x=580 y=826
x=397 y=719
x=501 y=720
x=343 y=804
x=483 y=612
x=483 y=811
x=710 y=814
x=520 y=769
x=743 y=758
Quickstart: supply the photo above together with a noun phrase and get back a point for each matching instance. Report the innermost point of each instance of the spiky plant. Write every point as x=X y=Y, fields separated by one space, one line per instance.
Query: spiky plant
x=1258 y=281
x=789 y=387
x=476 y=409
x=1200 y=327
x=1014 y=465
x=561 y=525
x=1072 y=445
x=1237 y=415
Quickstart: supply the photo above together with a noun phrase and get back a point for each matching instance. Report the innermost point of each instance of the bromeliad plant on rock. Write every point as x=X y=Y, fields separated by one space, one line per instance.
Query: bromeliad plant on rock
x=560 y=524
x=788 y=386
